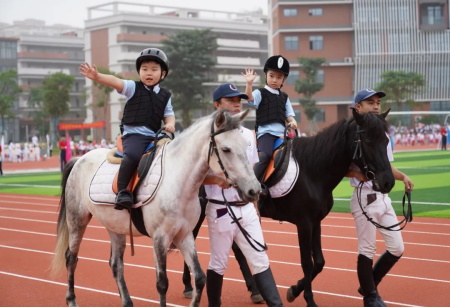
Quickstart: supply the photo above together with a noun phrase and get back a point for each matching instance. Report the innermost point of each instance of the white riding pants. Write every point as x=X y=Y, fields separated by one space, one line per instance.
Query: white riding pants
x=382 y=212
x=223 y=231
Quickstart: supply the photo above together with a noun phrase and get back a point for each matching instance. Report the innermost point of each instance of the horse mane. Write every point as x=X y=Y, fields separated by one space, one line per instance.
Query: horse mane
x=230 y=124
x=332 y=140
x=329 y=140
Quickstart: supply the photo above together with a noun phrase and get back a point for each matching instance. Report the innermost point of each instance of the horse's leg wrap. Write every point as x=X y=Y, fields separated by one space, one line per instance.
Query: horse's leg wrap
x=268 y=288
x=214 y=283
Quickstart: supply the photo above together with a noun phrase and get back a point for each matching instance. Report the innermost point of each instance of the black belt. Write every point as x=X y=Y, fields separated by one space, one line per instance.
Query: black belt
x=231 y=203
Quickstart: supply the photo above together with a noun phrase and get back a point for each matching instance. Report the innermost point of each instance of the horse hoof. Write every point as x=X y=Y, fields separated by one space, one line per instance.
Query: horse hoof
x=187 y=294
x=290 y=297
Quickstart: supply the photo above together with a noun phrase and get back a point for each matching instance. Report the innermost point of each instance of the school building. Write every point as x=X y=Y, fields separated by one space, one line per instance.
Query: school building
x=360 y=39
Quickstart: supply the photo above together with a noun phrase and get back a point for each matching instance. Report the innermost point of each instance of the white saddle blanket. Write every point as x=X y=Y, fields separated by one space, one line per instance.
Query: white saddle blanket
x=285 y=185
x=101 y=192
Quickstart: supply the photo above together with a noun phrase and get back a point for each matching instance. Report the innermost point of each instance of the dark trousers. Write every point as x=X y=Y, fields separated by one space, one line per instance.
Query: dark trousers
x=62 y=159
x=133 y=148
x=266 y=142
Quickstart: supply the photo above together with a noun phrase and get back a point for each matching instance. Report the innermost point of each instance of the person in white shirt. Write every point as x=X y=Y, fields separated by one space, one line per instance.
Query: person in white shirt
x=224 y=230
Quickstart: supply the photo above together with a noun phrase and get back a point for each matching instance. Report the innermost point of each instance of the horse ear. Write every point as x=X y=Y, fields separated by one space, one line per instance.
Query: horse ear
x=358 y=117
x=385 y=113
x=220 y=120
x=243 y=115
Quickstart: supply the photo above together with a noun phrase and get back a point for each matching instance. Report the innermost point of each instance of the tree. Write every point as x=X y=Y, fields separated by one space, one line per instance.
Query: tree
x=8 y=94
x=56 y=99
x=101 y=94
x=308 y=86
x=40 y=119
x=191 y=58
x=399 y=87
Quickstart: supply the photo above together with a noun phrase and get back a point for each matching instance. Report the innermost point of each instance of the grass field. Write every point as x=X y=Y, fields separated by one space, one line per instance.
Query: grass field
x=429 y=170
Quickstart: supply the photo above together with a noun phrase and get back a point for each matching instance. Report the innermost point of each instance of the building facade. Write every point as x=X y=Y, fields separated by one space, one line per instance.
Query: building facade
x=9 y=127
x=360 y=39
x=115 y=34
x=41 y=51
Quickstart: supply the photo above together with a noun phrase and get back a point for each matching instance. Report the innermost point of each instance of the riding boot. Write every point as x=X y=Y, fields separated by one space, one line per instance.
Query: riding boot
x=268 y=288
x=124 y=199
x=365 y=277
x=255 y=296
x=214 y=283
x=383 y=265
x=260 y=171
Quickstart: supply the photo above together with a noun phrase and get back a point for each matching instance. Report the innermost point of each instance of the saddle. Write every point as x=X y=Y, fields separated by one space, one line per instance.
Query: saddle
x=116 y=154
x=279 y=163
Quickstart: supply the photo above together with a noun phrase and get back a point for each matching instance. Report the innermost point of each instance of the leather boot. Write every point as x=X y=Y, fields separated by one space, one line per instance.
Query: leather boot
x=365 y=277
x=124 y=199
x=214 y=283
x=255 y=296
x=383 y=265
x=266 y=285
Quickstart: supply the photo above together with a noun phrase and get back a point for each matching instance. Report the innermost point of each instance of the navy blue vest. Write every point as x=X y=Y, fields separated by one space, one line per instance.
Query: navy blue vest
x=272 y=108
x=146 y=108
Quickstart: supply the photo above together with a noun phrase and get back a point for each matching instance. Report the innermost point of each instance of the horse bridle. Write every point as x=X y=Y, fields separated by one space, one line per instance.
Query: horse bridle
x=359 y=155
x=213 y=149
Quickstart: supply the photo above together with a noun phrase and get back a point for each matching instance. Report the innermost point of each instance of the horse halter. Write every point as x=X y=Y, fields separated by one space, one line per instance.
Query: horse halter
x=213 y=148
x=359 y=155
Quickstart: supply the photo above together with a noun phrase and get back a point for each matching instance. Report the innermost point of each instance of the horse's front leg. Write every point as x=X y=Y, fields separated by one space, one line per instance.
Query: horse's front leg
x=160 y=243
x=187 y=248
x=305 y=233
x=318 y=265
x=118 y=244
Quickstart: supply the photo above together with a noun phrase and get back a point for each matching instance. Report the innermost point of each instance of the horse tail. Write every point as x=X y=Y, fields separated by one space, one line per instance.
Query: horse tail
x=62 y=231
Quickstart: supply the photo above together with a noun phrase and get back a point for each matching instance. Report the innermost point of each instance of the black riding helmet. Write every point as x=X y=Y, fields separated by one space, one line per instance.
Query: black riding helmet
x=277 y=63
x=153 y=54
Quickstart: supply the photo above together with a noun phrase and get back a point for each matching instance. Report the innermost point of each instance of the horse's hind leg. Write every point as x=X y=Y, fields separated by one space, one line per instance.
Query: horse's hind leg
x=76 y=228
x=118 y=244
x=187 y=248
x=187 y=292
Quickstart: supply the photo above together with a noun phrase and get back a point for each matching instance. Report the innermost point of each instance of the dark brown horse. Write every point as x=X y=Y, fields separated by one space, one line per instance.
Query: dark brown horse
x=324 y=160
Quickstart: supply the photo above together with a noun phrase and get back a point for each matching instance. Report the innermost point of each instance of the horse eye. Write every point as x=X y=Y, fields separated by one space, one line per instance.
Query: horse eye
x=226 y=149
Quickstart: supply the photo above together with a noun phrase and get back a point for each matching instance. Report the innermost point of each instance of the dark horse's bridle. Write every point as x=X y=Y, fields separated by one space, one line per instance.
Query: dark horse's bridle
x=359 y=155
x=213 y=149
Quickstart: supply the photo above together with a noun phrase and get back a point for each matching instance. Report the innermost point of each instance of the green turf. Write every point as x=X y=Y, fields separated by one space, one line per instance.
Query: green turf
x=429 y=170
x=32 y=184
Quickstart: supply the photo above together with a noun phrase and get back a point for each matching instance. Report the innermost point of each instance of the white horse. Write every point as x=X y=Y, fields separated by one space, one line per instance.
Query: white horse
x=213 y=142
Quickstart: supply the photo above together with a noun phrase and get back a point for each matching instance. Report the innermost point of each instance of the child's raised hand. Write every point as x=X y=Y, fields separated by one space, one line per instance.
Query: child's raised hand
x=89 y=71
x=169 y=128
x=249 y=74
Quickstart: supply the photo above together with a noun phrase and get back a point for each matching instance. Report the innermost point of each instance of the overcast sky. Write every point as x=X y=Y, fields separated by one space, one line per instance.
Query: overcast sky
x=74 y=12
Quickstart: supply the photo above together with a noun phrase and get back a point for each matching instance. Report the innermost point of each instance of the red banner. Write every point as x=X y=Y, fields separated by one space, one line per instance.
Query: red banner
x=62 y=126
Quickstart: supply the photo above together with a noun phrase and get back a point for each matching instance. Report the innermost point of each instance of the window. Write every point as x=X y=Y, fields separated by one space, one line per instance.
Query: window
x=290 y=12
x=294 y=75
x=320 y=116
x=431 y=14
x=315 y=12
x=320 y=78
x=316 y=42
x=298 y=116
x=8 y=50
x=291 y=43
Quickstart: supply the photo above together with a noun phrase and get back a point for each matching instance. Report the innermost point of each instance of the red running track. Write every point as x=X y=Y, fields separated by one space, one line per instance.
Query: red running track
x=27 y=238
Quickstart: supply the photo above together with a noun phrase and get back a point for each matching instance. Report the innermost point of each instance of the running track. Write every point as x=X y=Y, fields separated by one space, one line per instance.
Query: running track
x=27 y=237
